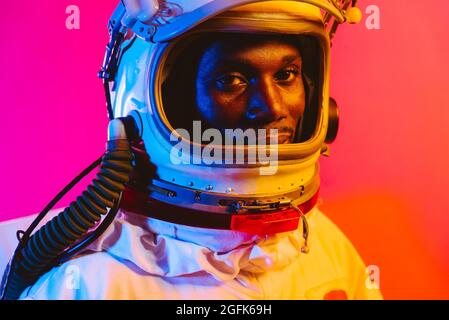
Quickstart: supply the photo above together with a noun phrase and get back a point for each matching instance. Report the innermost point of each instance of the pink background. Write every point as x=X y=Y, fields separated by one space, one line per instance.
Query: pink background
x=385 y=184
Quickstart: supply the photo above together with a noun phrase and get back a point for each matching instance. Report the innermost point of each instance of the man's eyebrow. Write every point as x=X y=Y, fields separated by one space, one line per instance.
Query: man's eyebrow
x=290 y=58
x=237 y=63
x=249 y=65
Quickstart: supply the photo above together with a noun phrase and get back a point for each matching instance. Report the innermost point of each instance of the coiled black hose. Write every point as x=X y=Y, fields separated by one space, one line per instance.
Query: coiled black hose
x=38 y=254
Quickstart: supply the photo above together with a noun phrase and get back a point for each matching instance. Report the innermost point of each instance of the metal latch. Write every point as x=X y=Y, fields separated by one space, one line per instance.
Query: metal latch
x=257 y=205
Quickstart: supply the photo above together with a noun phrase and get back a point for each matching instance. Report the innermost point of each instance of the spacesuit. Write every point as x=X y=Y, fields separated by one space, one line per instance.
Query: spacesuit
x=196 y=229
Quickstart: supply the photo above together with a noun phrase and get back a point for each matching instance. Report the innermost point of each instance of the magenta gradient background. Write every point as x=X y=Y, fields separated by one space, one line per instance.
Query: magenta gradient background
x=386 y=184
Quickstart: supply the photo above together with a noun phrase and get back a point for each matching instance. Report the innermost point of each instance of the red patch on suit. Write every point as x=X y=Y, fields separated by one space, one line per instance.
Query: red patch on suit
x=336 y=295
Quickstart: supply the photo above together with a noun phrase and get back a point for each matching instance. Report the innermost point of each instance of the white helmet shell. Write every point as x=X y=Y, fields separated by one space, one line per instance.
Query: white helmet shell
x=294 y=175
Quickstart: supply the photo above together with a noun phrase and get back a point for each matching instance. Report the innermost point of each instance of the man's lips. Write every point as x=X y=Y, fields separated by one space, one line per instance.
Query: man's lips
x=271 y=136
x=281 y=137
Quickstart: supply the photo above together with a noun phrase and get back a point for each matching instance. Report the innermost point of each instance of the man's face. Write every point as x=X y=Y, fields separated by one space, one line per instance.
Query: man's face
x=255 y=84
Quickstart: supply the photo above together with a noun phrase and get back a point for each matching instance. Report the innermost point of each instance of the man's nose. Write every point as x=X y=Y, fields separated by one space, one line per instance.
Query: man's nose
x=264 y=105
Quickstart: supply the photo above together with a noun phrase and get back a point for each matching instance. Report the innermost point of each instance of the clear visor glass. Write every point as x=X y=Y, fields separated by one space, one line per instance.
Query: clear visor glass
x=243 y=89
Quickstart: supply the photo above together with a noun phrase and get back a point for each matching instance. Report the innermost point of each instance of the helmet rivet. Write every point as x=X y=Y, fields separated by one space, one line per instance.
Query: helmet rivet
x=190 y=184
x=209 y=187
x=229 y=190
x=353 y=15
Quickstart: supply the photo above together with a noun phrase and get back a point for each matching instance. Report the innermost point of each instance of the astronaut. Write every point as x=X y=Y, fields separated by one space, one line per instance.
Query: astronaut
x=198 y=228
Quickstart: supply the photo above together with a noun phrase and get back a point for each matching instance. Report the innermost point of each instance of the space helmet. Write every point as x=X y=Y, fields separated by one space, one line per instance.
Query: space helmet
x=262 y=194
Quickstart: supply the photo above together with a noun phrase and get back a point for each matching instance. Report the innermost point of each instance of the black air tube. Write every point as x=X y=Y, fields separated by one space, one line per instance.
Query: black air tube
x=38 y=254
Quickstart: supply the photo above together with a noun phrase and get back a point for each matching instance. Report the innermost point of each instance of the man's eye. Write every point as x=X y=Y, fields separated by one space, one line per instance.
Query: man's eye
x=229 y=82
x=287 y=75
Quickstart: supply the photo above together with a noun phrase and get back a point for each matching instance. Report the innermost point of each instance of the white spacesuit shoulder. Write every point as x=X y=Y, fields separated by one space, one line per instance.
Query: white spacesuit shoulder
x=336 y=265
x=332 y=269
x=100 y=276
x=72 y=280
x=8 y=232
